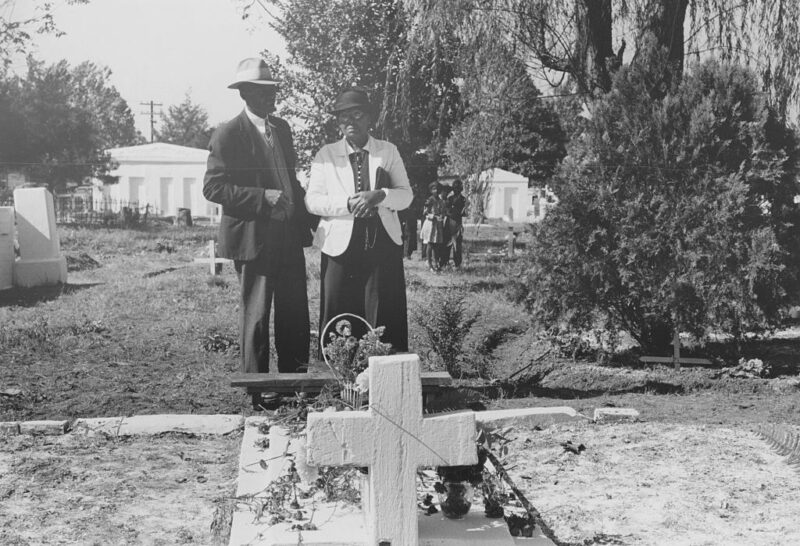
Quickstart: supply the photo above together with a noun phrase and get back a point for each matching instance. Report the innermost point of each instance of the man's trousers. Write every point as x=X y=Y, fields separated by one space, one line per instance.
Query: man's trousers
x=280 y=279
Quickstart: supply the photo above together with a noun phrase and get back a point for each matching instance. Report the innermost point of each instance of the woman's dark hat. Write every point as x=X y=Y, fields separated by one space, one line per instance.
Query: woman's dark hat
x=352 y=98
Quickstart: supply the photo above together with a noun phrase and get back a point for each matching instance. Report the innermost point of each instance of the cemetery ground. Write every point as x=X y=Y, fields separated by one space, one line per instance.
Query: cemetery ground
x=142 y=329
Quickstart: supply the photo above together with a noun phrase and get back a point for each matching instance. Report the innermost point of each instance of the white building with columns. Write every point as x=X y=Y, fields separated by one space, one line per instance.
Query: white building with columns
x=164 y=176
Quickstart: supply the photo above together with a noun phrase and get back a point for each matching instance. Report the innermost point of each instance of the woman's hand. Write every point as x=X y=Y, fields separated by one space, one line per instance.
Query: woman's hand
x=364 y=203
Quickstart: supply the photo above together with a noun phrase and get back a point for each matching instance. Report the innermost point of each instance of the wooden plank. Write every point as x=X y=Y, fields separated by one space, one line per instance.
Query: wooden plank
x=314 y=381
x=671 y=360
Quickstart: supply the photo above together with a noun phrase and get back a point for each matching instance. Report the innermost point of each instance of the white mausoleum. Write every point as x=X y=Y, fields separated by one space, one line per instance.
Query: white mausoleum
x=164 y=176
x=511 y=199
x=508 y=195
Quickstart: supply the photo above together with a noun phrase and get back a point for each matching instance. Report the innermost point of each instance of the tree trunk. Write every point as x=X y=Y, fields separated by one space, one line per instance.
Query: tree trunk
x=664 y=20
x=595 y=60
x=594 y=54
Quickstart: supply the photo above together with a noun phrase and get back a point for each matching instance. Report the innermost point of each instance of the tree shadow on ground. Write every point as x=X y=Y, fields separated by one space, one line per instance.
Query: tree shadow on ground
x=29 y=297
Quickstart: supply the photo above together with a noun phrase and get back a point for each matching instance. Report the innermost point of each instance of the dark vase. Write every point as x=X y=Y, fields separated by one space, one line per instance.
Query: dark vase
x=456 y=499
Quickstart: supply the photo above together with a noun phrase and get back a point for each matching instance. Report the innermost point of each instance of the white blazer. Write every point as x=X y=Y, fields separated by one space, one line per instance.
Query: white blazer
x=332 y=184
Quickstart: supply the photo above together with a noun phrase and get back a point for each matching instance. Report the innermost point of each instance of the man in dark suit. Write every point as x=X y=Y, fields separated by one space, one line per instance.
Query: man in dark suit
x=265 y=224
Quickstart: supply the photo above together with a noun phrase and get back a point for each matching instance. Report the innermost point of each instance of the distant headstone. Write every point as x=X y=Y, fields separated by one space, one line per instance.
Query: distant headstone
x=41 y=262
x=6 y=247
x=184 y=217
x=511 y=241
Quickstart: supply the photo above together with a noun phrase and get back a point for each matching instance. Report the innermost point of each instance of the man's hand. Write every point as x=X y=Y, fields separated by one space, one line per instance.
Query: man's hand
x=364 y=203
x=272 y=196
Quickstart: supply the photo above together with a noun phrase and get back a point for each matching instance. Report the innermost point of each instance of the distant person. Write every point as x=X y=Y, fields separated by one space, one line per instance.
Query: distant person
x=264 y=224
x=408 y=222
x=433 y=237
x=357 y=186
x=456 y=209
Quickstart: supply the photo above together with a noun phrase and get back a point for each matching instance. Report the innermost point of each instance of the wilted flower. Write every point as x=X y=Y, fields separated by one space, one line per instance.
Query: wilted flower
x=362 y=381
x=348 y=356
x=344 y=328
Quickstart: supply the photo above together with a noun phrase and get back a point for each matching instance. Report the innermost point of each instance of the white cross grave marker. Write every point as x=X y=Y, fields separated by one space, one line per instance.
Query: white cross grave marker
x=393 y=439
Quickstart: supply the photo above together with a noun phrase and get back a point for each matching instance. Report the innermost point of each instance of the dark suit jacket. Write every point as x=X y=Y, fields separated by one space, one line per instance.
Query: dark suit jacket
x=236 y=178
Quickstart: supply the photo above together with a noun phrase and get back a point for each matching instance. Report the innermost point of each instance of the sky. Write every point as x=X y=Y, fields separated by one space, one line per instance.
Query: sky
x=158 y=50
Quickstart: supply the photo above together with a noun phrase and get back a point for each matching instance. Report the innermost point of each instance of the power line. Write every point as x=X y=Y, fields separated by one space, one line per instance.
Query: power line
x=152 y=116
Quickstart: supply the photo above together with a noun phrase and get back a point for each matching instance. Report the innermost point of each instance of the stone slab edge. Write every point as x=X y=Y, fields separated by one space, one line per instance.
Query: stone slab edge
x=141 y=425
x=606 y=415
x=188 y=424
x=9 y=428
x=527 y=416
x=45 y=428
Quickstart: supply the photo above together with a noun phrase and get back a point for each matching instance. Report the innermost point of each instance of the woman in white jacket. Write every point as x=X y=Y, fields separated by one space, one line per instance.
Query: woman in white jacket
x=357 y=185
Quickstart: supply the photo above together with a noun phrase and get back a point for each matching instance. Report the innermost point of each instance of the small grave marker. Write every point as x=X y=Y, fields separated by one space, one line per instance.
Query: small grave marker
x=676 y=359
x=393 y=440
x=214 y=263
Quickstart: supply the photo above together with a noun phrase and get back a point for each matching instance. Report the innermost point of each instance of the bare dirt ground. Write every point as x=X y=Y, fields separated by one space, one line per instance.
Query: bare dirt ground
x=657 y=484
x=91 y=491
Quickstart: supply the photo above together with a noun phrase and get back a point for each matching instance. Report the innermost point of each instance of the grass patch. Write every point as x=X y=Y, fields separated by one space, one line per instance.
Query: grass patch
x=146 y=330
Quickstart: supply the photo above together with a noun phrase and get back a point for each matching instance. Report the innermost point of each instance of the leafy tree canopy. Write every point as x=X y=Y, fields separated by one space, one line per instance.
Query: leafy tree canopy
x=185 y=124
x=506 y=123
x=16 y=33
x=343 y=43
x=674 y=212
x=582 y=43
x=56 y=123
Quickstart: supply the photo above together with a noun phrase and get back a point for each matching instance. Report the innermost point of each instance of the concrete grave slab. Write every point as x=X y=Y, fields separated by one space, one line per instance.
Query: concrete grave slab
x=340 y=525
x=390 y=438
x=7 y=255
x=527 y=416
x=605 y=415
x=9 y=428
x=190 y=424
x=45 y=428
x=474 y=528
x=98 y=426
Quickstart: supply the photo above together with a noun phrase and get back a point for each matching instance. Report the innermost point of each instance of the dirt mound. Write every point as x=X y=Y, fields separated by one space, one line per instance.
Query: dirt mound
x=81 y=262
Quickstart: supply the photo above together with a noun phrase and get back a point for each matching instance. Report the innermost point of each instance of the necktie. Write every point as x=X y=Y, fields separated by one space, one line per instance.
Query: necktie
x=362 y=182
x=268 y=134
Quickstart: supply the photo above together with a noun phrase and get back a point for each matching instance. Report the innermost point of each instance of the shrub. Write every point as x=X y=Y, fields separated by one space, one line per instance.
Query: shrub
x=674 y=213
x=446 y=323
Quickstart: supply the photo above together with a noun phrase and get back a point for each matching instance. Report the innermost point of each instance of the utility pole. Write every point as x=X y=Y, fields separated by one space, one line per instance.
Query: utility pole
x=152 y=117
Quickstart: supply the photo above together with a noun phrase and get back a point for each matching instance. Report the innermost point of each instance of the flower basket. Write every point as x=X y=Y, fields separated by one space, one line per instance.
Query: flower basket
x=348 y=357
x=352 y=395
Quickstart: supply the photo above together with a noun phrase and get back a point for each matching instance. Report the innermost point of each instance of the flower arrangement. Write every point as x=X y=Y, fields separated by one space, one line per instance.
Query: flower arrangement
x=348 y=357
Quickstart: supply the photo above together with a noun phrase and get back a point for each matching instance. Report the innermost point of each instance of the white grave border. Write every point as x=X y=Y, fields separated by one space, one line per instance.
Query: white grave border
x=346 y=525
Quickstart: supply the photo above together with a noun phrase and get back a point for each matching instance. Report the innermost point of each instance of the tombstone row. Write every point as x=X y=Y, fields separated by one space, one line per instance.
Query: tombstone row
x=31 y=223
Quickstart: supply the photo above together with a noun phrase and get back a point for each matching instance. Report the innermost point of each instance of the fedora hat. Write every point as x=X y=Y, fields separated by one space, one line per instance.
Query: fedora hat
x=253 y=70
x=351 y=98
